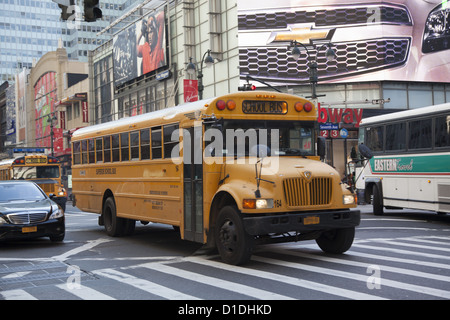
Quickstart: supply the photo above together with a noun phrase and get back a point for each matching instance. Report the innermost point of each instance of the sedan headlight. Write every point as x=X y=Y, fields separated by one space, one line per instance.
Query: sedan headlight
x=2 y=221
x=436 y=36
x=57 y=212
x=348 y=199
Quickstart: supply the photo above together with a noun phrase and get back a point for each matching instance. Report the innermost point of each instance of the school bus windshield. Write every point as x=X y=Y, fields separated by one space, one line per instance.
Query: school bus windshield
x=278 y=138
x=41 y=172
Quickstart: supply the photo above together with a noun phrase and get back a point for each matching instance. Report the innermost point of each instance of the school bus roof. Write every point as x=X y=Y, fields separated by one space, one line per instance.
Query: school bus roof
x=167 y=114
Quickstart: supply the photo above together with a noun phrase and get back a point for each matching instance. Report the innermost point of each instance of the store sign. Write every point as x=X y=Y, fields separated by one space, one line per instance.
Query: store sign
x=340 y=115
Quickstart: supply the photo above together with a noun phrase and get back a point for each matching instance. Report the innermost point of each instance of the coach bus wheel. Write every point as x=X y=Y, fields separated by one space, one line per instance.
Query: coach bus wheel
x=377 y=201
x=336 y=241
x=234 y=244
x=114 y=226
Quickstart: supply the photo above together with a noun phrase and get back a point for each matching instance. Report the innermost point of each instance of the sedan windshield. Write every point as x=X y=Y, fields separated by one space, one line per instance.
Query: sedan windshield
x=14 y=192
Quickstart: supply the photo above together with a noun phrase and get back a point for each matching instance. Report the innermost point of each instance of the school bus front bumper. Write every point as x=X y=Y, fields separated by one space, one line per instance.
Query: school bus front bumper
x=301 y=222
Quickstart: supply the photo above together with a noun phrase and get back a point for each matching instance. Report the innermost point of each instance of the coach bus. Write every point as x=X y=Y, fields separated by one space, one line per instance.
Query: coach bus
x=410 y=167
x=44 y=170
x=231 y=172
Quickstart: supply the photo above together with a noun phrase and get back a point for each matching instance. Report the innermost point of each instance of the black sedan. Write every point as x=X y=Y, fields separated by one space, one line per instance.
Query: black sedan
x=27 y=212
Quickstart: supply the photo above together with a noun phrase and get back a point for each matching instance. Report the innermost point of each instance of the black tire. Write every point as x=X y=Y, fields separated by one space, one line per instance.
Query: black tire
x=234 y=244
x=337 y=240
x=114 y=226
x=377 y=201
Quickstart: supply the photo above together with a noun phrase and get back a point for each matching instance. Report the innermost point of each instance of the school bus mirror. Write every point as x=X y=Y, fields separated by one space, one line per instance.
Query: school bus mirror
x=321 y=147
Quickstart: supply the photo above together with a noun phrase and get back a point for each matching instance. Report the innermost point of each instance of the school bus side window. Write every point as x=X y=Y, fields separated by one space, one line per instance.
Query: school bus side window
x=145 y=144
x=124 y=147
x=76 y=153
x=84 y=154
x=91 y=144
x=115 y=143
x=169 y=144
x=134 y=145
x=156 y=143
x=107 y=146
x=99 y=149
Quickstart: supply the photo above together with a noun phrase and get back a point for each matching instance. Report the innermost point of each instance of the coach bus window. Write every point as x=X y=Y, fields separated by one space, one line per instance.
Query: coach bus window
x=396 y=136
x=107 y=147
x=134 y=145
x=76 y=153
x=374 y=138
x=156 y=143
x=99 y=149
x=124 y=147
x=145 y=144
x=115 y=144
x=169 y=144
x=442 y=132
x=91 y=144
x=84 y=155
x=420 y=134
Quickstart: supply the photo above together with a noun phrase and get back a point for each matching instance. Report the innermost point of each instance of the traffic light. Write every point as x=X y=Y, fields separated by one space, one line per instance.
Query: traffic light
x=91 y=10
x=247 y=87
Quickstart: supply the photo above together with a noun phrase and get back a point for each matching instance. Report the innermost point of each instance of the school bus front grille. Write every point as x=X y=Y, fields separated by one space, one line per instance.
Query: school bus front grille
x=300 y=192
x=48 y=187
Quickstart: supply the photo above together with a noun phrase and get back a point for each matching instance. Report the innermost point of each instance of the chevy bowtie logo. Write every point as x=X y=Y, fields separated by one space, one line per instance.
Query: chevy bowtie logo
x=305 y=35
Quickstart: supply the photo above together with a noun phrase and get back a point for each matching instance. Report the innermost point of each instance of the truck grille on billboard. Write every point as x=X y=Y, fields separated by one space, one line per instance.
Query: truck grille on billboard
x=300 y=193
x=277 y=64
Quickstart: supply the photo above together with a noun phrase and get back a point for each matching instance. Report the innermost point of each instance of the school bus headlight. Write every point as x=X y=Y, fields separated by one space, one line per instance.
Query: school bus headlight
x=257 y=204
x=348 y=199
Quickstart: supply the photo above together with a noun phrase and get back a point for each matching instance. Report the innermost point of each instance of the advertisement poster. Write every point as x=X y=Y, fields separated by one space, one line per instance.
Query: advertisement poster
x=140 y=49
x=190 y=90
x=45 y=99
x=394 y=40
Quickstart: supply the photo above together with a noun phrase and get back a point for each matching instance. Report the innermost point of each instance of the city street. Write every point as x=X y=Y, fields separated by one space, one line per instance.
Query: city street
x=401 y=255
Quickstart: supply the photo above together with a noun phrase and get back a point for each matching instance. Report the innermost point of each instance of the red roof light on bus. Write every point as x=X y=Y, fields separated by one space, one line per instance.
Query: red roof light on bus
x=308 y=106
x=221 y=105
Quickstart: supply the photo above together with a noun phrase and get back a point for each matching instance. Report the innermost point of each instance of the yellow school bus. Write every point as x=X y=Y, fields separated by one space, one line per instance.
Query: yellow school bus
x=44 y=170
x=230 y=172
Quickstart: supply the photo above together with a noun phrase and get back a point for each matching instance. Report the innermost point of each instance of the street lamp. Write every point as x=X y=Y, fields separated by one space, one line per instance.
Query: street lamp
x=51 y=119
x=330 y=55
x=191 y=69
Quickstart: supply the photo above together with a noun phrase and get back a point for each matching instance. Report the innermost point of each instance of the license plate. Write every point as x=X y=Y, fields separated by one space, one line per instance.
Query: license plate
x=311 y=220
x=29 y=229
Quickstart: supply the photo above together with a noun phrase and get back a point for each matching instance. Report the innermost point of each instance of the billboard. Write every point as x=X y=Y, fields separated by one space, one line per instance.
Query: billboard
x=45 y=97
x=373 y=40
x=140 y=48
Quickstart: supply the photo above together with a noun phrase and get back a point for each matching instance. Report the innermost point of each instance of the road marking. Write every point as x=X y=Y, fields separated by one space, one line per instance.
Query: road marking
x=85 y=293
x=354 y=276
x=289 y=280
x=88 y=246
x=409 y=272
x=400 y=251
x=412 y=245
x=17 y=295
x=215 y=282
x=144 y=285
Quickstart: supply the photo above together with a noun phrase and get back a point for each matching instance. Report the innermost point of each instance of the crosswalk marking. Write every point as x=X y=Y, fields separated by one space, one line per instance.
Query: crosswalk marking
x=223 y=284
x=387 y=268
x=358 y=277
x=144 y=285
x=85 y=293
x=406 y=252
x=17 y=295
x=289 y=280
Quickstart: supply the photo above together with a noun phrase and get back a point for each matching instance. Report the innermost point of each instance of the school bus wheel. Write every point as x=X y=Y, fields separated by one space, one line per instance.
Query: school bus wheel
x=114 y=226
x=234 y=244
x=337 y=240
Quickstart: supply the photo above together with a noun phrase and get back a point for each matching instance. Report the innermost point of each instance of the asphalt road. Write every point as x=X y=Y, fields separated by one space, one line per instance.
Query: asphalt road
x=402 y=255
